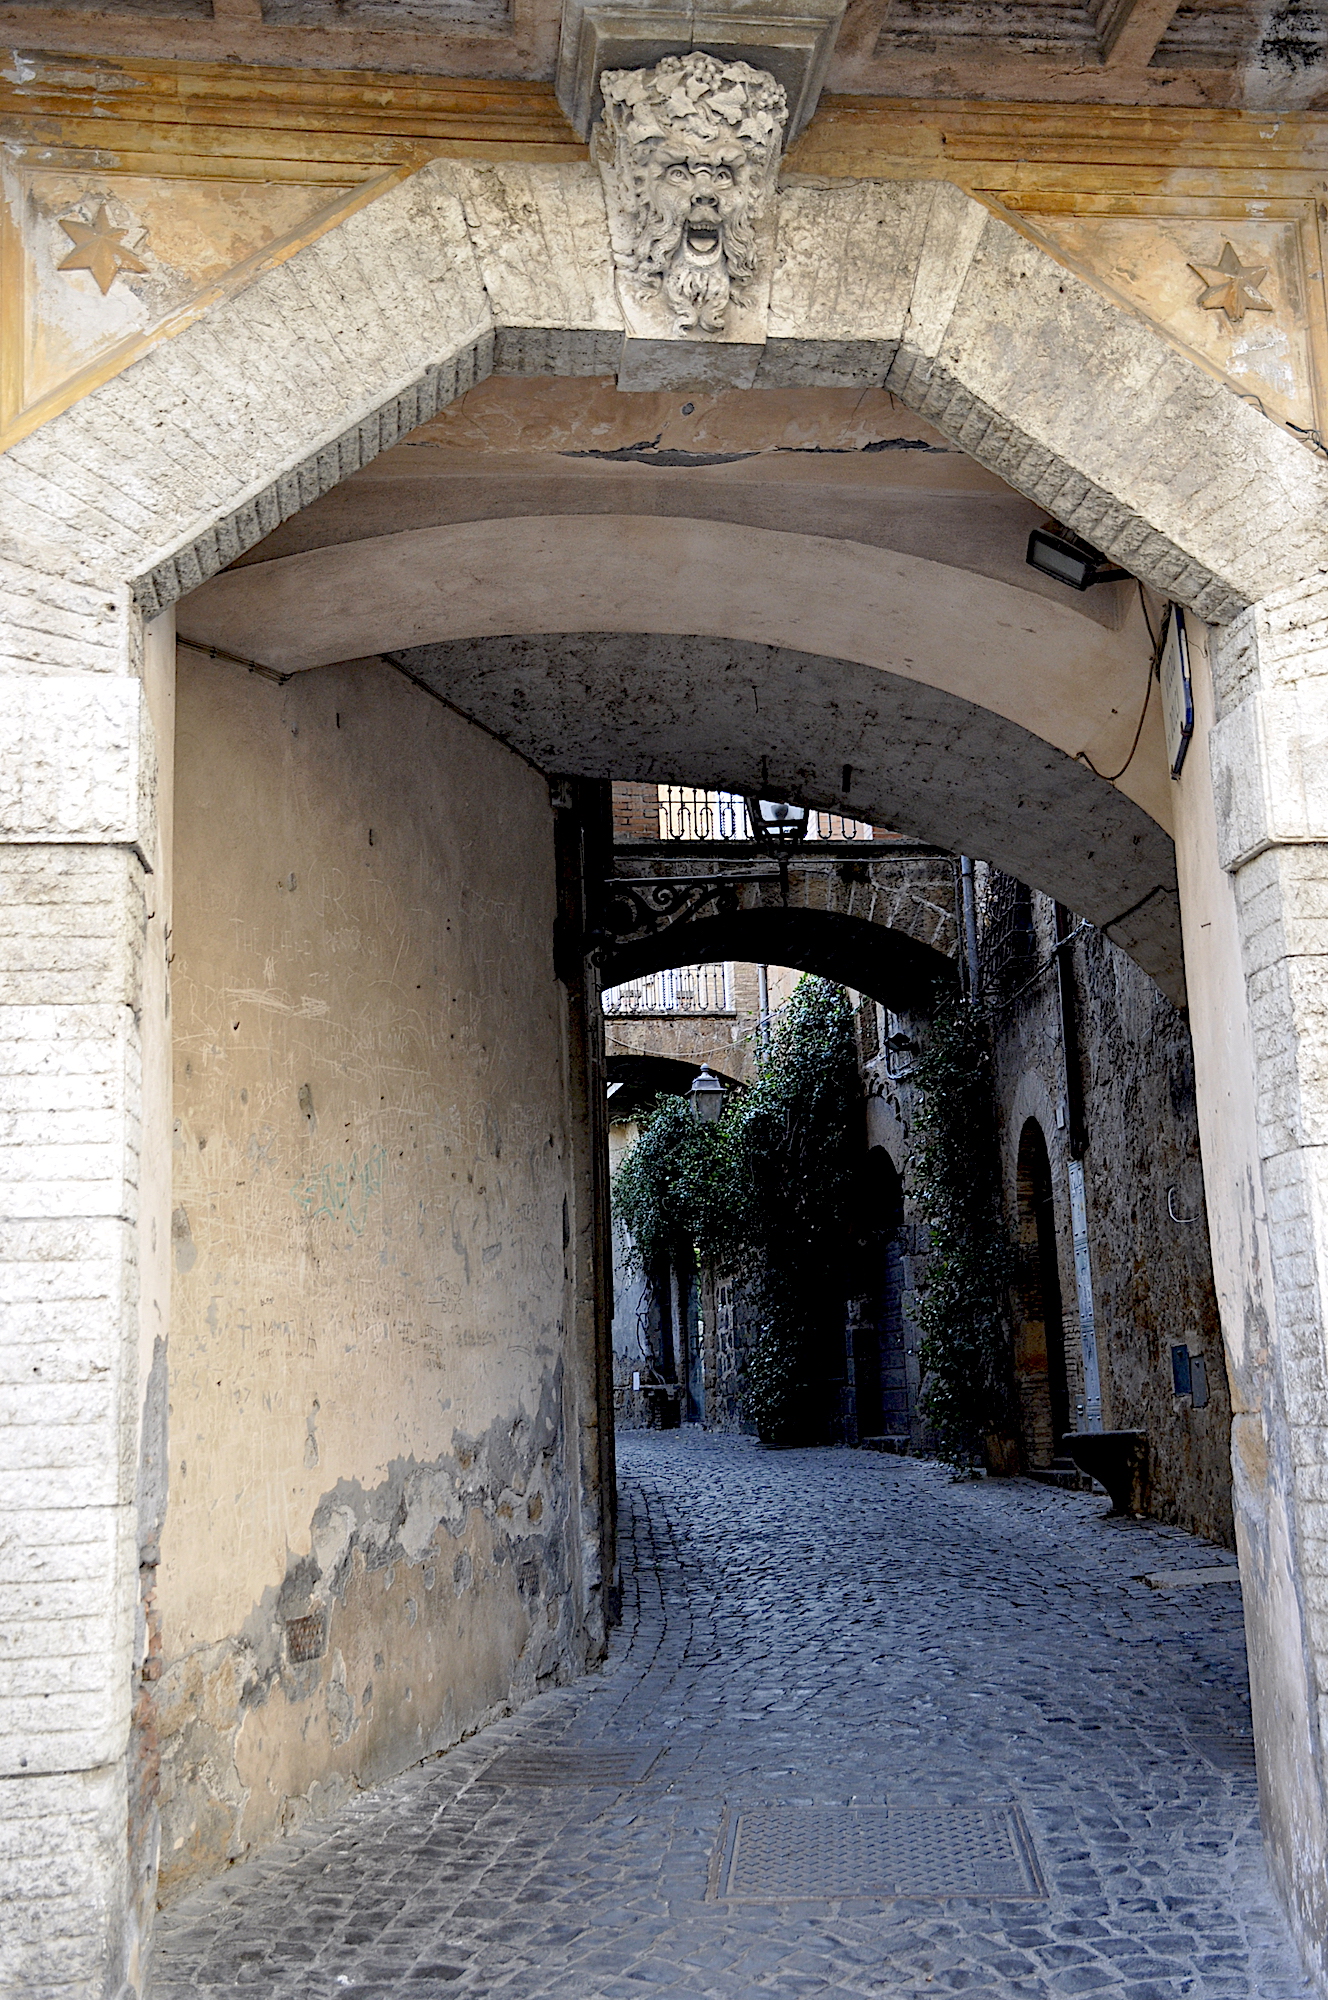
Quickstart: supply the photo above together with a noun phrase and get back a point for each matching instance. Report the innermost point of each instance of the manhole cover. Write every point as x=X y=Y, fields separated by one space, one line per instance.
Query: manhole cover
x=543 y=1764
x=784 y=1853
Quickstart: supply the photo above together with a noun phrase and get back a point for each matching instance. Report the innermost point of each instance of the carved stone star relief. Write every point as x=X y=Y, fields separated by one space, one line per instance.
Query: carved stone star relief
x=100 y=249
x=1232 y=287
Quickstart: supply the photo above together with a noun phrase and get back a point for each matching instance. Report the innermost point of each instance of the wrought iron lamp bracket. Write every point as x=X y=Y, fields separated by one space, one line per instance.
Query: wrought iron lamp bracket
x=633 y=909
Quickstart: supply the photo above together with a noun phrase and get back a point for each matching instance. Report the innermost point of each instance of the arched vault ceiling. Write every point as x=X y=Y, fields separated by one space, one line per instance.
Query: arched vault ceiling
x=740 y=716
x=1031 y=660
x=853 y=465
x=717 y=654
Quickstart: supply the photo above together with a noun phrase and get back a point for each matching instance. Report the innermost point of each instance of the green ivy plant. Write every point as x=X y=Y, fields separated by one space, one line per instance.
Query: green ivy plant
x=769 y=1191
x=962 y=1313
x=799 y=1145
x=673 y=1191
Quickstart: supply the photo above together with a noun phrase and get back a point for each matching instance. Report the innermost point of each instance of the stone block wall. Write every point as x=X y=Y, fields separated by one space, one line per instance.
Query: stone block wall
x=1148 y=1252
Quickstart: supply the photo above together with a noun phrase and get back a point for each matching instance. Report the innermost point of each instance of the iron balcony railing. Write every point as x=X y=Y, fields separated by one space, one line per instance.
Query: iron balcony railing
x=686 y=813
x=682 y=989
x=834 y=826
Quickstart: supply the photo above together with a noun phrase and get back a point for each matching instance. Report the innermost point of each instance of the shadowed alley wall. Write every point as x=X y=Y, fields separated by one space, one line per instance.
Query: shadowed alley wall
x=369 y=1541
x=1146 y=1254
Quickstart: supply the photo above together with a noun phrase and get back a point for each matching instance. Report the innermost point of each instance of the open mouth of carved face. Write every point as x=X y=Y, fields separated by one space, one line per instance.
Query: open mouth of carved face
x=702 y=240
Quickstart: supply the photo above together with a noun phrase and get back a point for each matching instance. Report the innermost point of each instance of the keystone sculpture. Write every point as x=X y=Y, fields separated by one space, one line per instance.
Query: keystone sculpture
x=688 y=152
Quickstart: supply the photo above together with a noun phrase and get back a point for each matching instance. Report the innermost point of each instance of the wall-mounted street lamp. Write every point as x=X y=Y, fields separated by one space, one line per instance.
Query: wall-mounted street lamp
x=782 y=826
x=707 y=1095
x=776 y=823
x=1070 y=559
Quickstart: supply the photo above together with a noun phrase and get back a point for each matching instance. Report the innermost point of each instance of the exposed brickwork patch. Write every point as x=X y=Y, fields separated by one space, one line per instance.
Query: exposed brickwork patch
x=306 y=1638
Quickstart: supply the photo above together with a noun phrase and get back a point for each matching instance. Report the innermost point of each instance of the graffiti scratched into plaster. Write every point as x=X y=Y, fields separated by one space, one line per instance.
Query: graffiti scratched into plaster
x=343 y=1190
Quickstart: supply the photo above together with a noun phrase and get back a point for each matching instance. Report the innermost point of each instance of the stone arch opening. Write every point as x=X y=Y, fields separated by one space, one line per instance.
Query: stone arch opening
x=234 y=429
x=887 y=964
x=736 y=714
x=642 y=1078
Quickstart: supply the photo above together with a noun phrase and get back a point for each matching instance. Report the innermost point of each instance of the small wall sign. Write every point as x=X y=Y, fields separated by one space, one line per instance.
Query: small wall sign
x=1198 y=1382
x=1177 y=692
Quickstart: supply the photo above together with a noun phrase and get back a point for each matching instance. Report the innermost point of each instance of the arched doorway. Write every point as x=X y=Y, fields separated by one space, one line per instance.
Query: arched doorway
x=655 y=1317
x=1039 y=1352
x=880 y=1411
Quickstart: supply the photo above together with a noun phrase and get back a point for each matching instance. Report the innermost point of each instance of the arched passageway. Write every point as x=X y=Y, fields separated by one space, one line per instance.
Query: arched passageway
x=936 y=696
x=973 y=747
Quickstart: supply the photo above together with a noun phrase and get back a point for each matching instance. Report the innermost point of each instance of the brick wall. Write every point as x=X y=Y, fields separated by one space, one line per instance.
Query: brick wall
x=636 y=812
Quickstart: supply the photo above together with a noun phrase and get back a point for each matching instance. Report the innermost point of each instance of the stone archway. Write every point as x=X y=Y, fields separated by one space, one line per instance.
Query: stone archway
x=160 y=478
x=936 y=761
x=871 y=933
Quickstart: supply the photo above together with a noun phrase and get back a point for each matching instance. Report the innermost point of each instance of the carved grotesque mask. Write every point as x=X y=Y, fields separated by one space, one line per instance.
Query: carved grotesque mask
x=699 y=231
x=695 y=147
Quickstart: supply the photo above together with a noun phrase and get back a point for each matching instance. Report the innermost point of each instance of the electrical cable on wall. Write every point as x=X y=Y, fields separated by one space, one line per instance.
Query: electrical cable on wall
x=1082 y=756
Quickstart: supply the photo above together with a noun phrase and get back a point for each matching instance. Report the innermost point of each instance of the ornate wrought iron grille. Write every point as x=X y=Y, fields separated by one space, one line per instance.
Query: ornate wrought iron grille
x=688 y=814
x=1007 y=944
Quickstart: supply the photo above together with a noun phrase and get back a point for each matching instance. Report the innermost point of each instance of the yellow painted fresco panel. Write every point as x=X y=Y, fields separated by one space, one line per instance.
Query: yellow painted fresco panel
x=186 y=234
x=63 y=331
x=1266 y=355
x=202 y=168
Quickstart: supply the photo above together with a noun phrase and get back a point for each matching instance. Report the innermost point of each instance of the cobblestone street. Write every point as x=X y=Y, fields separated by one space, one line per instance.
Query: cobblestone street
x=822 y=1628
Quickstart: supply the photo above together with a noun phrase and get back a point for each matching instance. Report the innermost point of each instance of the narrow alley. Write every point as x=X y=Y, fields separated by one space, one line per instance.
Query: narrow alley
x=805 y=1632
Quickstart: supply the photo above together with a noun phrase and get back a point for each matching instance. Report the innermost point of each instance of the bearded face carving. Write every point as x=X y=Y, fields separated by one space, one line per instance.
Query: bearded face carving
x=689 y=151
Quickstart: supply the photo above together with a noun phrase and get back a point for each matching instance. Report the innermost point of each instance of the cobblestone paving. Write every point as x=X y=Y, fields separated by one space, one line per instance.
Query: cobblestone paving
x=828 y=1627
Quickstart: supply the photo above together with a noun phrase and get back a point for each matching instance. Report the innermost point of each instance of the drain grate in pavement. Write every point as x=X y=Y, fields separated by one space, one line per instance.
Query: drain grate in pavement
x=792 y=1853
x=550 y=1764
x=1226 y=1752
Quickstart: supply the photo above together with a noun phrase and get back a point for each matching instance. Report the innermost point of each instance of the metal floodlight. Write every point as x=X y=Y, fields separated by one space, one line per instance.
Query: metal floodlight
x=1070 y=559
x=707 y=1095
x=777 y=823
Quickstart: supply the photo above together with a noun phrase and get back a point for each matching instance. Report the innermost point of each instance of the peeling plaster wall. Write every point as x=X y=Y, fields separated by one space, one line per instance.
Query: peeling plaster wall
x=369 y=1543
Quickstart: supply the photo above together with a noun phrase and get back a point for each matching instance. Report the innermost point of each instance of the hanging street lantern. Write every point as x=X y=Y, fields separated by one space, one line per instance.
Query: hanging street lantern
x=776 y=823
x=707 y=1095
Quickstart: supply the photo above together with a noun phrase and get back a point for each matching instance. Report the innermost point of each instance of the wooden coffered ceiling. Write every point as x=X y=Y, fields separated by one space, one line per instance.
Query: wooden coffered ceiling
x=1259 y=55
